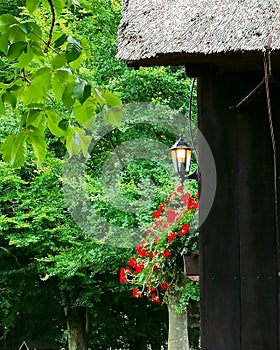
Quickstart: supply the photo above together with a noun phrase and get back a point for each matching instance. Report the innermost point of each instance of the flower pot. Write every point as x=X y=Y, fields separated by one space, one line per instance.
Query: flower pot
x=191 y=265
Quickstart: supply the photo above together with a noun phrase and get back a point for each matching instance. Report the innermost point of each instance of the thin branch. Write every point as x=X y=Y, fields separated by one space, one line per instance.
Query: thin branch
x=52 y=26
x=116 y=151
x=9 y=253
x=24 y=76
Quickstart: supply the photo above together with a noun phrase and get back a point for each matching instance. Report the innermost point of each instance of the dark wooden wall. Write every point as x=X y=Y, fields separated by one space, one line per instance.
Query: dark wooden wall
x=238 y=244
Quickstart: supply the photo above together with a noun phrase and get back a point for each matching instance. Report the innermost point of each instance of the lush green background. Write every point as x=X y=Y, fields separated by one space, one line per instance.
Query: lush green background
x=44 y=257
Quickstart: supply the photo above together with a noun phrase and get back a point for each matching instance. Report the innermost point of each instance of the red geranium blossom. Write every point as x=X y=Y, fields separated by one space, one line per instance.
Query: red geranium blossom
x=185 y=229
x=162 y=206
x=164 y=286
x=132 y=262
x=155 y=298
x=156 y=214
x=123 y=277
x=180 y=188
x=136 y=293
x=167 y=253
x=140 y=250
x=171 y=236
x=170 y=215
x=138 y=269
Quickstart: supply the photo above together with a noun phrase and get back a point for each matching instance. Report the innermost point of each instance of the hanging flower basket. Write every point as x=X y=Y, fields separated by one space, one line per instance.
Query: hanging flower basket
x=169 y=249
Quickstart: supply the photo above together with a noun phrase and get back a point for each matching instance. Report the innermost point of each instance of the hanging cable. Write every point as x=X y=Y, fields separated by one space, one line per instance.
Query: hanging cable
x=190 y=116
x=267 y=76
x=267 y=70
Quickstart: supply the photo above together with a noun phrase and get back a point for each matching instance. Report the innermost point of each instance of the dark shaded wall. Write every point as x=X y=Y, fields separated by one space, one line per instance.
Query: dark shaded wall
x=238 y=241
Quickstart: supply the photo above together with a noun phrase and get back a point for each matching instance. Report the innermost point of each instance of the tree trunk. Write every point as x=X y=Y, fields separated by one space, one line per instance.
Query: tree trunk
x=178 y=326
x=76 y=319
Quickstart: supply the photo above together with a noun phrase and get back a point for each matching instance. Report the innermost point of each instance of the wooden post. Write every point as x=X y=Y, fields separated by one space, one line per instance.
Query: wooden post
x=238 y=245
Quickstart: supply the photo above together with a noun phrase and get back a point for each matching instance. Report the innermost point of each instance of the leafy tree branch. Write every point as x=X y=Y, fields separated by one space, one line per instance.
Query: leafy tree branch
x=48 y=43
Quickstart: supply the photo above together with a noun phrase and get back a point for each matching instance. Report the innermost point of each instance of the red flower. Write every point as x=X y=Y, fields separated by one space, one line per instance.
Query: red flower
x=167 y=253
x=164 y=286
x=185 y=229
x=185 y=198
x=151 y=255
x=156 y=214
x=132 y=262
x=123 y=275
x=158 y=223
x=155 y=239
x=148 y=231
x=155 y=268
x=192 y=204
x=180 y=188
x=140 y=250
x=170 y=215
x=155 y=298
x=171 y=236
x=162 y=206
x=138 y=269
x=136 y=293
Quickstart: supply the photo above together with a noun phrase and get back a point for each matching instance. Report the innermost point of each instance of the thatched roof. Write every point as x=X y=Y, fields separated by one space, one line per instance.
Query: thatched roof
x=157 y=31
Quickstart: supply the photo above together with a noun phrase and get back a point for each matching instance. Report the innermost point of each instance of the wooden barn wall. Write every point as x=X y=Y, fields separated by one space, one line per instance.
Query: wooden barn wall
x=238 y=250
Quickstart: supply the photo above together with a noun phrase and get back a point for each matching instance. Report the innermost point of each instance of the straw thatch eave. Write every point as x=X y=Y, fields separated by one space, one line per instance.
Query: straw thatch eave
x=159 y=31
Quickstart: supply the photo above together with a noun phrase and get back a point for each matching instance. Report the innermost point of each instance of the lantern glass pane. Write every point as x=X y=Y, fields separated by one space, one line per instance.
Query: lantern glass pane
x=188 y=160
x=174 y=160
x=181 y=154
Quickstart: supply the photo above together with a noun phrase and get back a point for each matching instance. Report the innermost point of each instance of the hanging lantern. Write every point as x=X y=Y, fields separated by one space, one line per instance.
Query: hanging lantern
x=181 y=158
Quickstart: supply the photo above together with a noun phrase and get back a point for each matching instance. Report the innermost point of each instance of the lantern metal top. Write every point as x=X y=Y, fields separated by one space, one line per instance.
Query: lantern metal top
x=180 y=143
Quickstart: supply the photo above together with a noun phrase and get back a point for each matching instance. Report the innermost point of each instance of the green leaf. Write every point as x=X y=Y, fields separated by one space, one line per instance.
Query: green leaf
x=39 y=87
x=113 y=115
x=82 y=91
x=58 y=6
x=60 y=41
x=35 y=32
x=26 y=57
x=111 y=99
x=77 y=63
x=53 y=121
x=16 y=33
x=9 y=97
x=32 y=5
x=73 y=49
x=64 y=124
x=36 y=118
x=60 y=79
x=4 y=42
x=99 y=98
x=6 y=21
x=86 y=111
x=2 y=107
x=59 y=60
x=16 y=49
x=112 y=111
x=36 y=48
x=78 y=141
x=37 y=140
x=67 y=97
x=14 y=149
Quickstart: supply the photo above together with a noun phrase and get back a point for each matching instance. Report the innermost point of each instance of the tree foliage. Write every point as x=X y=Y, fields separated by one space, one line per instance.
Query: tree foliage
x=44 y=87
x=49 y=75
